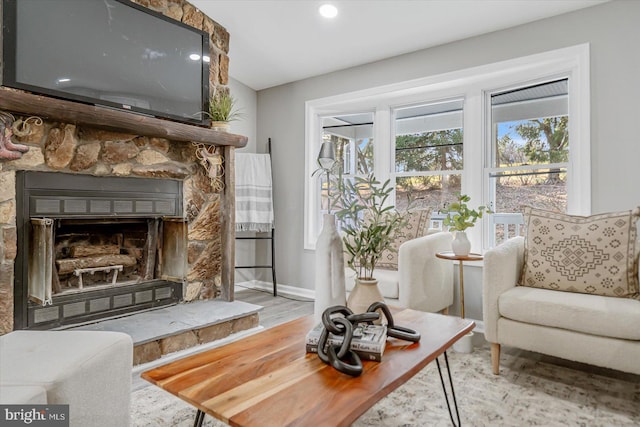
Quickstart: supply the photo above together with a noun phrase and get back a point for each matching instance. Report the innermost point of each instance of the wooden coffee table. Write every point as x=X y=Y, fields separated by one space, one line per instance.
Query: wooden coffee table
x=268 y=379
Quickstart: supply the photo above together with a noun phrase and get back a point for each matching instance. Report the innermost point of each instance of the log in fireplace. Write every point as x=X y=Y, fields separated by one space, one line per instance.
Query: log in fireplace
x=93 y=247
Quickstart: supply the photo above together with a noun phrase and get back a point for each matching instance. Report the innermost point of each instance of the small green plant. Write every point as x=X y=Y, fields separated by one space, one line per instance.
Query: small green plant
x=369 y=225
x=459 y=216
x=222 y=108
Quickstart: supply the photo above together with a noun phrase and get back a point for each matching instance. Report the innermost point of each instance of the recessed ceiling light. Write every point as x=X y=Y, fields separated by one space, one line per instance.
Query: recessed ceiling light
x=328 y=11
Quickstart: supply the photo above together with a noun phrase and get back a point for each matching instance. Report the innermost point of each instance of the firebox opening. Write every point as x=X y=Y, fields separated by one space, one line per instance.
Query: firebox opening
x=96 y=247
x=95 y=254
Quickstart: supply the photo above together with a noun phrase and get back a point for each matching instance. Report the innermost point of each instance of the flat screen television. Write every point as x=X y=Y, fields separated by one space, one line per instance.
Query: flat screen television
x=111 y=53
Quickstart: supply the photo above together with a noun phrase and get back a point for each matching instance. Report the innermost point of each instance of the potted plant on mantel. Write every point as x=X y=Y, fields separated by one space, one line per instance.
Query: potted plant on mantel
x=369 y=227
x=222 y=110
x=459 y=218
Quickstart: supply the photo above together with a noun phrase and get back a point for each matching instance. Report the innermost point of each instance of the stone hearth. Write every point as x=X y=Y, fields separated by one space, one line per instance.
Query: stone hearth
x=158 y=333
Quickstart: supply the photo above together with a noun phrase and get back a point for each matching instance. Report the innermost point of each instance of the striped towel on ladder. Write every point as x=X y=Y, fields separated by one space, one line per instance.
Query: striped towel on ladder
x=254 y=202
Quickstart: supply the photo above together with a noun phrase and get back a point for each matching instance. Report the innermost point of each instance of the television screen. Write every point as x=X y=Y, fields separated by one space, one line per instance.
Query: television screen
x=107 y=52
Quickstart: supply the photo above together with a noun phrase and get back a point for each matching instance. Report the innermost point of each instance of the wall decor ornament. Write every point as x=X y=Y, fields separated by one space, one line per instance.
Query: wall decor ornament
x=212 y=161
x=9 y=127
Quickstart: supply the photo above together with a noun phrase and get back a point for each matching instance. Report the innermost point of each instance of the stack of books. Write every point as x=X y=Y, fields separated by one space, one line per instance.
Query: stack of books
x=368 y=340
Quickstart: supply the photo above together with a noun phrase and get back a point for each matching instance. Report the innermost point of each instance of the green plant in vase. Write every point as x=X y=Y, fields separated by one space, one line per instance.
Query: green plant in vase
x=369 y=226
x=222 y=110
x=459 y=218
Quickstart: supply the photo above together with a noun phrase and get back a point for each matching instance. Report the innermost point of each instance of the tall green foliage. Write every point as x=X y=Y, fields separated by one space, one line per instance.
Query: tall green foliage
x=369 y=224
x=222 y=108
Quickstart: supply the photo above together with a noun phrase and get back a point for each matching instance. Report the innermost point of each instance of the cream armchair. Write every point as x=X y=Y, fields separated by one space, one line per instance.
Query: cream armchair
x=593 y=329
x=422 y=281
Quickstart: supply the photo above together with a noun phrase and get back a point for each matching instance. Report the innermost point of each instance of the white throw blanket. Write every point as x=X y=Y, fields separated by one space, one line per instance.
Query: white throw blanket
x=254 y=203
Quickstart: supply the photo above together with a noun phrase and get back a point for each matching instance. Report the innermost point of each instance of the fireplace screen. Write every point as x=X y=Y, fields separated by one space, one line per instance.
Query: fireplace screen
x=90 y=254
x=80 y=255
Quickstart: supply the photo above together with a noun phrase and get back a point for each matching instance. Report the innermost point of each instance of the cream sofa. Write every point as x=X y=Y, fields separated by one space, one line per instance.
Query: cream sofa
x=598 y=330
x=422 y=281
x=88 y=370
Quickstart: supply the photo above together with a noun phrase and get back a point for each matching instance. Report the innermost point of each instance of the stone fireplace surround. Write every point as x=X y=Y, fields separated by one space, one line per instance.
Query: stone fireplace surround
x=79 y=139
x=94 y=247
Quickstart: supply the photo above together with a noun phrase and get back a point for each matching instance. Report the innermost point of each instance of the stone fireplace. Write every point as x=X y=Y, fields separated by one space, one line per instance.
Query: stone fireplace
x=92 y=247
x=132 y=199
x=144 y=203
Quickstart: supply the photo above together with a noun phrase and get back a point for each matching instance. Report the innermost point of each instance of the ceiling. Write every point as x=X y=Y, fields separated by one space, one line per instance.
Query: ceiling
x=279 y=41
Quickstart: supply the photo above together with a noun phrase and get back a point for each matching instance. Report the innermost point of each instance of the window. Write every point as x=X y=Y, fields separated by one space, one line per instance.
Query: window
x=428 y=154
x=352 y=137
x=529 y=154
x=498 y=133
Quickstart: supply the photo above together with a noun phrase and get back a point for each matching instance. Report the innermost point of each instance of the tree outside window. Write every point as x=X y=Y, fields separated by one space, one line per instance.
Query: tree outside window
x=428 y=154
x=530 y=154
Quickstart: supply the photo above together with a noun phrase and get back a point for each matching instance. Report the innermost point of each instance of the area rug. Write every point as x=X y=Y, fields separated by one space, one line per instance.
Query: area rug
x=529 y=392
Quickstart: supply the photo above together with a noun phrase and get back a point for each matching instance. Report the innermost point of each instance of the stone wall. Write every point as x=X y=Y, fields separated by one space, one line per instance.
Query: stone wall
x=68 y=148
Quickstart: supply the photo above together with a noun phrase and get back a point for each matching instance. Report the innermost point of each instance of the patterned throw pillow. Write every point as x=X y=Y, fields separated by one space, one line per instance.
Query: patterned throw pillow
x=417 y=226
x=592 y=255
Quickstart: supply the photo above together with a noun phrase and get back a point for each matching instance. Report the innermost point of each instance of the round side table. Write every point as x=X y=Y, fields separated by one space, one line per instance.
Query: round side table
x=453 y=257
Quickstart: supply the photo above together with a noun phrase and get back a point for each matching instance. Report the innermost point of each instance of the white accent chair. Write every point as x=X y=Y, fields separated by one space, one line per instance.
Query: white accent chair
x=422 y=281
x=593 y=329
x=88 y=370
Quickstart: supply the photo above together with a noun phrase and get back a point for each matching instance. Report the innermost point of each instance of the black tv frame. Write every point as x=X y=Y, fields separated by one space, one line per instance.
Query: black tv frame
x=8 y=14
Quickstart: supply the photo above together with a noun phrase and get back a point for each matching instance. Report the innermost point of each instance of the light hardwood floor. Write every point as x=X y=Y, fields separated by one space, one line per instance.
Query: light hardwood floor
x=276 y=310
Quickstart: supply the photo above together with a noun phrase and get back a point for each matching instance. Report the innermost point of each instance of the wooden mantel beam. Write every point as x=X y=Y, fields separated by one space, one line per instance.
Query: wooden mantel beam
x=113 y=120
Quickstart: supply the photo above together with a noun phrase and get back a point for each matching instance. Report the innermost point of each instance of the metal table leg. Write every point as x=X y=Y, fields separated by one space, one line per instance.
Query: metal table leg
x=444 y=389
x=199 y=419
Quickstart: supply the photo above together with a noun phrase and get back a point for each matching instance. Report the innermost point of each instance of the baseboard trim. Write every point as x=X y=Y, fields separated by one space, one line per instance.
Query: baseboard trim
x=282 y=289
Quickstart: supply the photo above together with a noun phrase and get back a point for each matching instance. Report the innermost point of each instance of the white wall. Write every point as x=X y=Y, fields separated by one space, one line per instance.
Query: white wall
x=612 y=30
x=247 y=104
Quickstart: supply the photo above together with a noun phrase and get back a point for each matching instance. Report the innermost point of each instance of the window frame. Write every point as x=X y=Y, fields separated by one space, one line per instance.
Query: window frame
x=475 y=85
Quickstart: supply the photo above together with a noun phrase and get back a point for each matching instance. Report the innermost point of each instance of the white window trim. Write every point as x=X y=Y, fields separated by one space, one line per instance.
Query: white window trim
x=474 y=85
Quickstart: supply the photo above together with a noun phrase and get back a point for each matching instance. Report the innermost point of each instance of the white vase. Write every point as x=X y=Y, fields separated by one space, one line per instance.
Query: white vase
x=330 y=289
x=464 y=344
x=461 y=245
x=364 y=293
